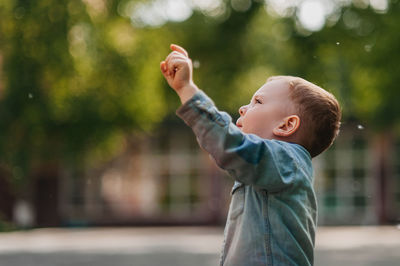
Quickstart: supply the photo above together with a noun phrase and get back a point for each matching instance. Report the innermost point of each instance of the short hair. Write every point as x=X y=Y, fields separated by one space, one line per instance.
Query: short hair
x=319 y=113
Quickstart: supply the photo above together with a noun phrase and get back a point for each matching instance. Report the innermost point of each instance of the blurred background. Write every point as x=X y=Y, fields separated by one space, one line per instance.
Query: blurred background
x=88 y=131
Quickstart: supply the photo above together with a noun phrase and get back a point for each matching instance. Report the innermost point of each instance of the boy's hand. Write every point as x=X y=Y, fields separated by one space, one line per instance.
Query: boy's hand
x=177 y=70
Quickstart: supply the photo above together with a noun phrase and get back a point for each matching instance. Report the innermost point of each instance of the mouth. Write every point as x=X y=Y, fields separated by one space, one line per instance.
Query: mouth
x=239 y=125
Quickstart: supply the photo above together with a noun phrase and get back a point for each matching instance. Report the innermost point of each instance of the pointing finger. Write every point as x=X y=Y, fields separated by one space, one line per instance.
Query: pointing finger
x=179 y=49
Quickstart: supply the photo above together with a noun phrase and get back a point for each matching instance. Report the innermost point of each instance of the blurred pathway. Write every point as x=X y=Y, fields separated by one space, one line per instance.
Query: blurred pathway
x=179 y=246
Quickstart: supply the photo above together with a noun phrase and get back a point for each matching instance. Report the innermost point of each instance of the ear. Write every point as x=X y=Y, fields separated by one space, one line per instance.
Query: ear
x=287 y=127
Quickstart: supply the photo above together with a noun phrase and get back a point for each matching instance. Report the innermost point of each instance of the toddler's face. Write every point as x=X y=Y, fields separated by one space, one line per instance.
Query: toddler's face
x=268 y=107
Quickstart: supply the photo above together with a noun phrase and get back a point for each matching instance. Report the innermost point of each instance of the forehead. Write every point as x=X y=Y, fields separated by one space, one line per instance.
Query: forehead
x=274 y=88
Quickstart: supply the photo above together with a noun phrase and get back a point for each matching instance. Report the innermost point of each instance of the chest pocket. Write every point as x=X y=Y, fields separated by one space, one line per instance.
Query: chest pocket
x=237 y=202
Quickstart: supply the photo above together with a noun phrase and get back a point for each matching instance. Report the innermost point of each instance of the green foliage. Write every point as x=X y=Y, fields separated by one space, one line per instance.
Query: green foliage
x=78 y=76
x=357 y=58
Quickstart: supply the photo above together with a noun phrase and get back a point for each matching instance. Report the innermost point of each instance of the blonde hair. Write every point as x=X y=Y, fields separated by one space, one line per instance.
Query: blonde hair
x=319 y=113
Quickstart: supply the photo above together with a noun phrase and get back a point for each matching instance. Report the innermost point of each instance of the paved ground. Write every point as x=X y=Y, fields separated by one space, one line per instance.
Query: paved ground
x=179 y=246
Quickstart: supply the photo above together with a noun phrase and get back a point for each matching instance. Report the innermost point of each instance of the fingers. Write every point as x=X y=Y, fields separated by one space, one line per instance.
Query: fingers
x=163 y=67
x=174 y=65
x=171 y=66
x=179 y=49
x=178 y=53
x=167 y=69
x=175 y=55
x=174 y=61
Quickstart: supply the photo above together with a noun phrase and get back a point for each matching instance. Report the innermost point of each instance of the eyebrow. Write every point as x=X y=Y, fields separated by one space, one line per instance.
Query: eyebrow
x=259 y=96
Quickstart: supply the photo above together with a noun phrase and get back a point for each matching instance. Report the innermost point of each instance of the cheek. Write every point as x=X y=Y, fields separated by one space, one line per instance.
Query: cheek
x=254 y=120
x=258 y=115
x=261 y=120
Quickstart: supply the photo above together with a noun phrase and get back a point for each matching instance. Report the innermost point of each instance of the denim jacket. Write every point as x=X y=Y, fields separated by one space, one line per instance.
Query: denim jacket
x=272 y=215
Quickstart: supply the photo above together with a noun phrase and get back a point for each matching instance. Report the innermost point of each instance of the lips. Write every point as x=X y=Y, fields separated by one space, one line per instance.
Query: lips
x=239 y=124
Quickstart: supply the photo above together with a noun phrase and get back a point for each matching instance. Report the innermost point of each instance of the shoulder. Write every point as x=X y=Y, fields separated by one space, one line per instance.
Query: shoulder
x=288 y=157
x=276 y=148
x=296 y=150
x=292 y=151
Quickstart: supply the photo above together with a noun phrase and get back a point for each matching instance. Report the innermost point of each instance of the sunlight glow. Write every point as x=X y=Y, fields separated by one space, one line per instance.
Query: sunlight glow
x=158 y=12
x=207 y=6
x=380 y=6
x=282 y=8
x=312 y=15
x=178 y=10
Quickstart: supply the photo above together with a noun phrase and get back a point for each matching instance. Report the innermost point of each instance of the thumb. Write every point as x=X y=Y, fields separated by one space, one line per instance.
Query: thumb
x=164 y=69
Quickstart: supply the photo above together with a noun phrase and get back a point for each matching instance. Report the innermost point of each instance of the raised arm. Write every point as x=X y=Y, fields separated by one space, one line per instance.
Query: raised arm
x=249 y=159
x=178 y=71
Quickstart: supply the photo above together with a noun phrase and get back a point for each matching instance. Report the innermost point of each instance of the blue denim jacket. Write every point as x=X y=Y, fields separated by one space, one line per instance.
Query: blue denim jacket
x=272 y=215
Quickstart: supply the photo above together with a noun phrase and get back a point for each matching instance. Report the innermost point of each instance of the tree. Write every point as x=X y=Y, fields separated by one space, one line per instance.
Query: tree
x=77 y=78
x=79 y=75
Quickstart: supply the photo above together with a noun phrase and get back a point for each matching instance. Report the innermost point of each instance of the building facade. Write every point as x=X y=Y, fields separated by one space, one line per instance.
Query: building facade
x=166 y=179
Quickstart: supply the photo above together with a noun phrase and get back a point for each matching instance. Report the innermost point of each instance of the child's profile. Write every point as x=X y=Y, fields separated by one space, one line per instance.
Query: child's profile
x=268 y=151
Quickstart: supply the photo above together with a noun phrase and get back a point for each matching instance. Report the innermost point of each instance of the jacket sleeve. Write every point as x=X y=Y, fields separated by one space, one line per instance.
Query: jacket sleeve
x=249 y=159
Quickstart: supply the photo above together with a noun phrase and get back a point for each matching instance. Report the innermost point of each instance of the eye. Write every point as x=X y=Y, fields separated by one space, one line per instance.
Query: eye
x=258 y=101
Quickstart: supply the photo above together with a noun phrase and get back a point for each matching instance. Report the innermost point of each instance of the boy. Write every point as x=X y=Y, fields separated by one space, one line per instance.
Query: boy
x=272 y=216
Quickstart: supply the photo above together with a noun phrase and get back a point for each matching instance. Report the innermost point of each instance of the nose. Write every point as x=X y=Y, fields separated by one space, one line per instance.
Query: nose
x=242 y=110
